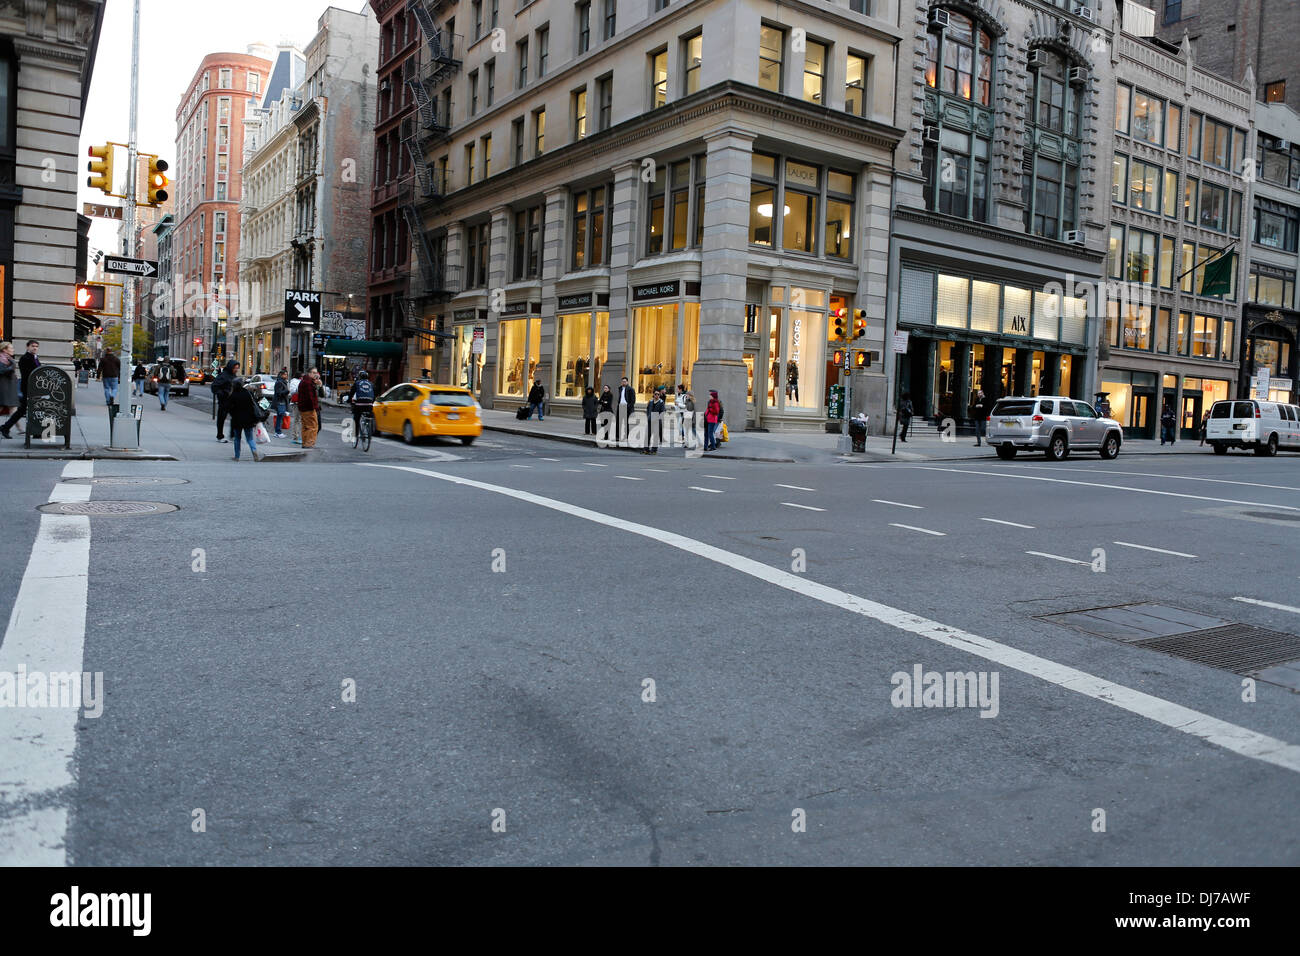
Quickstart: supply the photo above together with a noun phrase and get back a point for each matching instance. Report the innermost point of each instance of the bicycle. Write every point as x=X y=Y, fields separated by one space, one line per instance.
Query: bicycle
x=364 y=431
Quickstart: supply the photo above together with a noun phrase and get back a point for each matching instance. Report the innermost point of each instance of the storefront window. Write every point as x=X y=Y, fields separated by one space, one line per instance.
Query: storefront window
x=805 y=361
x=518 y=347
x=467 y=368
x=1228 y=340
x=1067 y=368
x=945 y=381
x=774 y=378
x=572 y=354
x=954 y=302
x=667 y=343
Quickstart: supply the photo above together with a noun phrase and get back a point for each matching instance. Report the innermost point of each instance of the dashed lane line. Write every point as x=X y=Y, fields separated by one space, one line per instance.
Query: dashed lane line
x=629 y=478
x=719 y=477
x=791 y=504
x=1145 y=547
x=1013 y=524
x=937 y=534
x=897 y=504
x=795 y=487
x=1276 y=607
x=1185 y=720
x=712 y=491
x=1058 y=557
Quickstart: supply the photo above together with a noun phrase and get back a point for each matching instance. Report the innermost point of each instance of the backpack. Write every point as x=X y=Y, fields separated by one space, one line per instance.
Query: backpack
x=164 y=373
x=363 y=391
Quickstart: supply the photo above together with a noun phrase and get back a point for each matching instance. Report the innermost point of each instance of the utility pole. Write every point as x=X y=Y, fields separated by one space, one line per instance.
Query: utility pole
x=128 y=212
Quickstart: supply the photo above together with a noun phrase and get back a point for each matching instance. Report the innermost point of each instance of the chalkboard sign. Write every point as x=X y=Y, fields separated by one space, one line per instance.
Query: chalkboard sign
x=49 y=405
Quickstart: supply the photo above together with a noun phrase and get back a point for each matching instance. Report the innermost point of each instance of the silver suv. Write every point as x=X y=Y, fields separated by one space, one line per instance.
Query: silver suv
x=1053 y=424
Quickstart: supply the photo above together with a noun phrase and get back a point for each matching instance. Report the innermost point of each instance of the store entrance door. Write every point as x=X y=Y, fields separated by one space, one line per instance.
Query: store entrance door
x=1141 y=421
x=1191 y=417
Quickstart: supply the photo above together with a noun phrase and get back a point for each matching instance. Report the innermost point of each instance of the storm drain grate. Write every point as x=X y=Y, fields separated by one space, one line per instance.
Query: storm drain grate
x=1234 y=647
x=116 y=509
x=101 y=482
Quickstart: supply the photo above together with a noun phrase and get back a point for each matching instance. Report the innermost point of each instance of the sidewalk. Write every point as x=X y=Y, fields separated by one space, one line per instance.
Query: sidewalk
x=182 y=433
x=815 y=447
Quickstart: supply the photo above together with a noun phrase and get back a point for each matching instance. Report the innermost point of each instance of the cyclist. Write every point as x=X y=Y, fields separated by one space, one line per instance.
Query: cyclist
x=362 y=398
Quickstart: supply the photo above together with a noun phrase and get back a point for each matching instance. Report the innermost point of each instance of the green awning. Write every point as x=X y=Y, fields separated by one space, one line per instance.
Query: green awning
x=362 y=347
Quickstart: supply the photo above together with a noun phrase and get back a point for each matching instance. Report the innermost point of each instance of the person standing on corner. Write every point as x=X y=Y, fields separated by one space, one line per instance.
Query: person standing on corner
x=979 y=410
x=309 y=407
x=222 y=387
x=905 y=415
x=244 y=418
x=654 y=412
x=165 y=372
x=712 y=415
x=29 y=363
x=1167 y=422
x=537 y=400
x=110 y=368
x=590 y=408
x=624 y=405
x=137 y=379
x=1205 y=424
x=280 y=400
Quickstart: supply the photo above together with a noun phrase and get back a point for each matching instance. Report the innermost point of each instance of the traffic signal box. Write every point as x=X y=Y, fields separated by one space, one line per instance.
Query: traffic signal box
x=859 y=323
x=157 y=181
x=101 y=169
x=90 y=297
x=840 y=318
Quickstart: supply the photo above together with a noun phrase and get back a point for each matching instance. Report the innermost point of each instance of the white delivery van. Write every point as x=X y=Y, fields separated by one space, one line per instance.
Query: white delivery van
x=1246 y=423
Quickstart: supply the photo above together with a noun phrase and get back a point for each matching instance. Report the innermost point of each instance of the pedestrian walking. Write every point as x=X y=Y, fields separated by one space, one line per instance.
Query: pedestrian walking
x=137 y=379
x=624 y=405
x=245 y=416
x=29 y=363
x=654 y=423
x=222 y=390
x=1167 y=422
x=309 y=407
x=280 y=401
x=905 y=412
x=979 y=411
x=165 y=374
x=110 y=369
x=712 y=415
x=9 y=399
x=590 y=408
x=1205 y=425
x=537 y=400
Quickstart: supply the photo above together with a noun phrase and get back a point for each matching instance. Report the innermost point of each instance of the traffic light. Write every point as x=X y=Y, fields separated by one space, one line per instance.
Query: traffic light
x=158 y=182
x=90 y=297
x=101 y=168
x=840 y=315
x=861 y=359
x=859 y=323
x=837 y=359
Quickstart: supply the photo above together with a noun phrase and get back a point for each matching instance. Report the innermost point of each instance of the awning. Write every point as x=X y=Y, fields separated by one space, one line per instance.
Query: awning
x=362 y=347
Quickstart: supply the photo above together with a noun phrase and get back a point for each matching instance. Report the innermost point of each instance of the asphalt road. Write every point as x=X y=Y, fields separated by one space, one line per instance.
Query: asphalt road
x=501 y=611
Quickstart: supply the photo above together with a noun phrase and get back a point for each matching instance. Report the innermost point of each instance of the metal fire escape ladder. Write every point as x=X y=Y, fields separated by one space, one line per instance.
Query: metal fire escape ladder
x=420 y=239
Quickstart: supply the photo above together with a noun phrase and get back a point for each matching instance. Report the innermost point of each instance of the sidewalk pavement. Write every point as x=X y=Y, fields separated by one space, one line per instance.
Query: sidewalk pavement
x=818 y=447
x=182 y=433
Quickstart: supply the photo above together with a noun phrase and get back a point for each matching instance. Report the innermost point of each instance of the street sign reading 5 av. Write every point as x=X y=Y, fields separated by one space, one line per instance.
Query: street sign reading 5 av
x=302 y=308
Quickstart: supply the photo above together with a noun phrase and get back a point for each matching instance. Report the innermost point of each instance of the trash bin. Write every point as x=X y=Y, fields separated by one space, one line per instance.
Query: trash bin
x=858 y=433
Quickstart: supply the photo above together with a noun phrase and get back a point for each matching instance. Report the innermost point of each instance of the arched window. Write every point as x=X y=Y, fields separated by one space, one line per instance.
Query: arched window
x=1053 y=148
x=958 y=133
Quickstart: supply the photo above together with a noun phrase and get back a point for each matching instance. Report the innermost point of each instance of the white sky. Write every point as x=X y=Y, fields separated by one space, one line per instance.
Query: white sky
x=175 y=35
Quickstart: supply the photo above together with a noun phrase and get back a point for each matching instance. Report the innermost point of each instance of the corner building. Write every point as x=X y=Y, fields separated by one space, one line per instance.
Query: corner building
x=672 y=192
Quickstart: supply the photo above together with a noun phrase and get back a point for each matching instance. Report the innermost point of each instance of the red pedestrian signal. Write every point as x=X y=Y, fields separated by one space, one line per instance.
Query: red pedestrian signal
x=90 y=297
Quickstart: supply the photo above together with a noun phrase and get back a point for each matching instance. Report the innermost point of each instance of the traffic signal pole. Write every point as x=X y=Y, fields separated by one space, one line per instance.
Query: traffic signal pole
x=128 y=212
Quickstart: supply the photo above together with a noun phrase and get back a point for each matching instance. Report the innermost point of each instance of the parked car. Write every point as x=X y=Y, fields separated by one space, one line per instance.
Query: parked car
x=416 y=409
x=1052 y=424
x=180 y=384
x=263 y=386
x=1262 y=426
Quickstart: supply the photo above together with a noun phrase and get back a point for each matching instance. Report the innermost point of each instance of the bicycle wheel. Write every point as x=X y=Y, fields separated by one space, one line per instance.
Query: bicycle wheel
x=356 y=436
x=365 y=433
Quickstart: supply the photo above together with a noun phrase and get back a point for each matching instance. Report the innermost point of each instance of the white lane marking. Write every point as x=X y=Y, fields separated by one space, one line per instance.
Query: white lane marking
x=937 y=534
x=1185 y=720
x=1057 y=557
x=662 y=471
x=1151 y=474
x=719 y=477
x=1014 y=524
x=897 y=504
x=46 y=634
x=595 y=464
x=521 y=466
x=791 y=504
x=548 y=459
x=1143 y=547
x=1097 y=484
x=796 y=487
x=629 y=478
x=1276 y=607
x=712 y=491
x=435 y=454
x=575 y=471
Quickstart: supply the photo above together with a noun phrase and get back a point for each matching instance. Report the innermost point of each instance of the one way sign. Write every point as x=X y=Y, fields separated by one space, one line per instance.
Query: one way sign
x=302 y=308
x=121 y=265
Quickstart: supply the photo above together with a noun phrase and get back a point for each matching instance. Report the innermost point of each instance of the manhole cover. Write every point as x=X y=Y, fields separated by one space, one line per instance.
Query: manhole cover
x=107 y=508
x=1275 y=515
x=101 y=482
x=1236 y=647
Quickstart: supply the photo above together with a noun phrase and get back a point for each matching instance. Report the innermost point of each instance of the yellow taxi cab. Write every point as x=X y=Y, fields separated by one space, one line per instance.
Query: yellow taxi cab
x=416 y=409
x=195 y=376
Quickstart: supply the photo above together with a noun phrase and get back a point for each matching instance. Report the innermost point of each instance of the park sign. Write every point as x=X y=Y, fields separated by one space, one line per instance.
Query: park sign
x=49 y=405
x=302 y=308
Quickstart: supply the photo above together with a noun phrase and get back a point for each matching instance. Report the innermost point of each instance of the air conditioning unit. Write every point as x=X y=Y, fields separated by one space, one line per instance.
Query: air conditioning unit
x=385 y=85
x=931 y=135
x=1074 y=236
x=1077 y=76
x=938 y=18
x=1037 y=60
x=1084 y=12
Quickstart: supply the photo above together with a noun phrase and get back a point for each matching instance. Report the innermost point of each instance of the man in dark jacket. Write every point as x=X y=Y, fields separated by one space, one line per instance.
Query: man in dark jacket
x=904 y=415
x=1168 y=421
x=26 y=365
x=280 y=400
x=624 y=405
x=979 y=411
x=536 y=400
x=245 y=415
x=309 y=407
x=110 y=369
x=222 y=388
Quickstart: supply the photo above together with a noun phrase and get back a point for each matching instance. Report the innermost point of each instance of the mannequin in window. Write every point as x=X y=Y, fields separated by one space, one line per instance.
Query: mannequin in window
x=773 y=381
x=792 y=380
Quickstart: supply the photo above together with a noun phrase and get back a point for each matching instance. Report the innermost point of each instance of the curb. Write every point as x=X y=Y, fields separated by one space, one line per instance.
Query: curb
x=575 y=440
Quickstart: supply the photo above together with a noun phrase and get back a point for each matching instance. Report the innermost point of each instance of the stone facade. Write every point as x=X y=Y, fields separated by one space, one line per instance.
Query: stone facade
x=48 y=53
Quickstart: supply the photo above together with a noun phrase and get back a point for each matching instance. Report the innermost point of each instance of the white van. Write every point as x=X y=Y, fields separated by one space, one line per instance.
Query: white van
x=1246 y=423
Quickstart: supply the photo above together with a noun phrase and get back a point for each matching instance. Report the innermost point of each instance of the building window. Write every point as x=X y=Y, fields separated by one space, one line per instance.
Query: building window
x=496 y=4
x=1169 y=204
x=1123 y=95
x=1190 y=187
x=1276 y=224
x=1174 y=128
x=252 y=82
x=1173 y=11
x=1144 y=186
x=580 y=113
x=771 y=49
x=517 y=137
x=962 y=64
x=666 y=343
x=605 y=102
x=543 y=50
x=1166 y=265
x=584 y=26
x=477 y=8
x=487 y=155
x=521 y=54
x=1054 y=182
x=539 y=132
x=469 y=164
x=1119 y=179
x=519 y=350
x=1194 y=135
x=491 y=77
x=672 y=222
x=579 y=359
x=660 y=4
x=1114 y=267
x=1271 y=286
x=692 y=56
x=956 y=174
x=839 y=215
x=476 y=255
x=860 y=6
x=1205 y=337
x=1275 y=92
x=801 y=192
x=611 y=9
x=1214 y=207
x=658 y=79
x=528 y=243
x=590 y=237
x=855 y=85
x=473 y=92
x=1140 y=257
x=1148 y=118
x=1216 y=144
x=224 y=79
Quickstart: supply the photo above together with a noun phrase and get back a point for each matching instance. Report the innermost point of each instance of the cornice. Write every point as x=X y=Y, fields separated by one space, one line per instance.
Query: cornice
x=993 y=234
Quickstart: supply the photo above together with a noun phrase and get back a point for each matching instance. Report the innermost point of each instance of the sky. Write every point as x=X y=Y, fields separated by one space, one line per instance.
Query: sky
x=174 y=38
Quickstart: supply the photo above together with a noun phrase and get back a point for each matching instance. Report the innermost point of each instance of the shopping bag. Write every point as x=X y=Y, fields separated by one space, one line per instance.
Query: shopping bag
x=261 y=434
x=722 y=433
x=285 y=424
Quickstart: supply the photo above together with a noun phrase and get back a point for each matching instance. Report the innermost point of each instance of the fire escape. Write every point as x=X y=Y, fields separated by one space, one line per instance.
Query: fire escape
x=425 y=191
